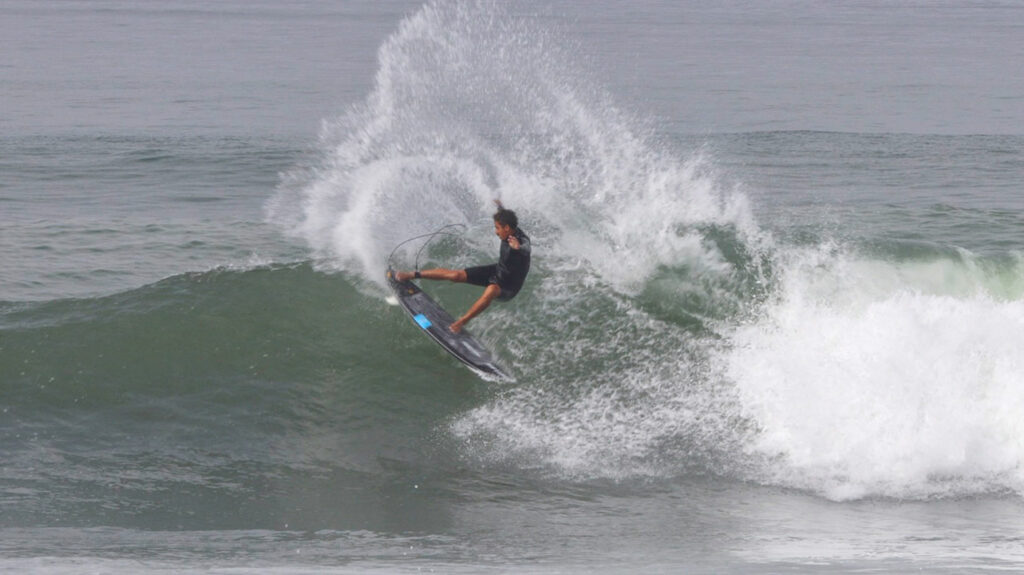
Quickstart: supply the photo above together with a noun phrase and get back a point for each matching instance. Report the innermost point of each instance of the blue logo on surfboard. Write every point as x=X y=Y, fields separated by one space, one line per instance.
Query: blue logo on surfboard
x=422 y=320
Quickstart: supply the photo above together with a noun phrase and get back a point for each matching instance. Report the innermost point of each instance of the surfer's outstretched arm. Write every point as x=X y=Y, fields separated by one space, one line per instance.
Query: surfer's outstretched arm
x=492 y=291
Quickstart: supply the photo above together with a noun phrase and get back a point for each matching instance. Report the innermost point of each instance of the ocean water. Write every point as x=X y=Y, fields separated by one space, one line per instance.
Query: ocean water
x=775 y=320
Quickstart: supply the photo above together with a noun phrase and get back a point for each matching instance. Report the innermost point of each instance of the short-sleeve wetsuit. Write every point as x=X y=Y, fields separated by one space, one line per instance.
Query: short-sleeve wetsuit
x=510 y=271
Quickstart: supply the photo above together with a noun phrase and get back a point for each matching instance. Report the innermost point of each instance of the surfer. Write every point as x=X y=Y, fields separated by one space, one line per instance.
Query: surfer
x=501 y=281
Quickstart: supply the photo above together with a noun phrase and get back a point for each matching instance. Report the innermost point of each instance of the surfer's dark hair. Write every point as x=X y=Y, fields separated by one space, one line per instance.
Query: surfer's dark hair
x=506 y=218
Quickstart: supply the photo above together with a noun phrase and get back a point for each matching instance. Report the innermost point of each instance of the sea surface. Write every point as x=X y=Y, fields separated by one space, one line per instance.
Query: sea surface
x=775 y=322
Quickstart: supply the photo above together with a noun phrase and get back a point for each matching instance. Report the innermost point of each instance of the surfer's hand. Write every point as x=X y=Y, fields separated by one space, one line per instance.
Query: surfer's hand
x=513 y=242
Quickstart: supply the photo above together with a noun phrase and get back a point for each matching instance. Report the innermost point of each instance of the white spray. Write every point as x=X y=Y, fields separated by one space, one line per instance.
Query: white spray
x=643 y=348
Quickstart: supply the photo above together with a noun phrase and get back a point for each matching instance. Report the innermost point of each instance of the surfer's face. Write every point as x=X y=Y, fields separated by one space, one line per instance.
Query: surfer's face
x=503 y=231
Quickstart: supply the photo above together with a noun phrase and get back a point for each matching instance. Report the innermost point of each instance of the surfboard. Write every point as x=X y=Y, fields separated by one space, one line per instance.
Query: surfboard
x=434 y=320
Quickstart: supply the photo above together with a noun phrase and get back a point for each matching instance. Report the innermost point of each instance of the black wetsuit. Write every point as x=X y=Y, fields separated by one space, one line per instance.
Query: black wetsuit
x=510 y=271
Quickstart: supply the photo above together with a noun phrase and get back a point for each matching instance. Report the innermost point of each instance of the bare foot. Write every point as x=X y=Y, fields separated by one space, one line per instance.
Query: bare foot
x=456 y=326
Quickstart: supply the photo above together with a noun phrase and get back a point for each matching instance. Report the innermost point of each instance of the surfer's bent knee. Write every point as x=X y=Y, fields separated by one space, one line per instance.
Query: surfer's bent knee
x=493 y=291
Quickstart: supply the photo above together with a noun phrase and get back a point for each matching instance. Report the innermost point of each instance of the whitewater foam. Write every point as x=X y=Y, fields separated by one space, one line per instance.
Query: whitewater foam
x=868 y=377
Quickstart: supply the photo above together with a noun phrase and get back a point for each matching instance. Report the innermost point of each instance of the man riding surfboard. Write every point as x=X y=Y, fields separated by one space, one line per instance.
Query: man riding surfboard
x=501 y=281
